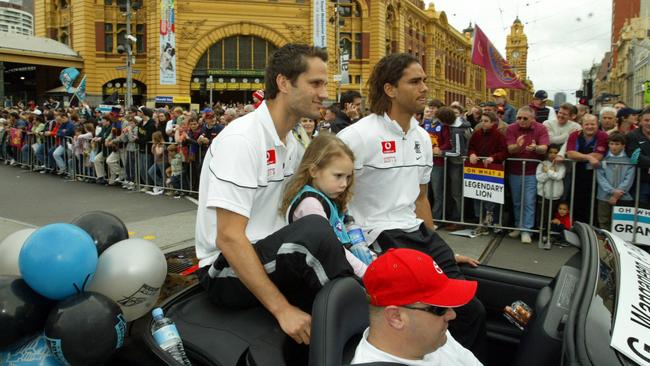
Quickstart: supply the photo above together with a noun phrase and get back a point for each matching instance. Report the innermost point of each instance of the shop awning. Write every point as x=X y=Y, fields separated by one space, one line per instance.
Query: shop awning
x=32 y=50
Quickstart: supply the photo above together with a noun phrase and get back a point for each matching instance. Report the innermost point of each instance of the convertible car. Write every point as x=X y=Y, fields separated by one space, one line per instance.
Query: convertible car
x=596 y=311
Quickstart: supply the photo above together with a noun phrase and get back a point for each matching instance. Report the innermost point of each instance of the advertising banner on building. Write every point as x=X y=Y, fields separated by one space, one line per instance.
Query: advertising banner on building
x=484 y=183
x=623 y=224
x=345 y=65
x=320 y=23
x=167 y=43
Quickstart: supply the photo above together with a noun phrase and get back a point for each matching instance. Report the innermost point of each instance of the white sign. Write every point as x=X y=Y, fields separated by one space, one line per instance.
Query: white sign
x=623 y=224
x=345 y=63
x=483 y=183
x=631 y=335
x=320 y=23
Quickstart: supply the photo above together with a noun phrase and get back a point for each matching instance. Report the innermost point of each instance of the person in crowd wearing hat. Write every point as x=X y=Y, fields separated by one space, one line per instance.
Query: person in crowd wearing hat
x=247 y=255
x=393 y=158
x=349 y=112
x=258 y=98
x=626 y=120
x=412 y=302
x=542 y=111
x=501 y=99
x=638 y=149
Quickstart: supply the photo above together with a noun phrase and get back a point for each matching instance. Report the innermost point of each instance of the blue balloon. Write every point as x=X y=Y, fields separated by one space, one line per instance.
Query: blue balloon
x=33 y=353
x=58 y=260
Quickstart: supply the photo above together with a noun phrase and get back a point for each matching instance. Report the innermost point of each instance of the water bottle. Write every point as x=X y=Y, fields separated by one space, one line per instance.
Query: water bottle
x=358 y=244
x=166 y=336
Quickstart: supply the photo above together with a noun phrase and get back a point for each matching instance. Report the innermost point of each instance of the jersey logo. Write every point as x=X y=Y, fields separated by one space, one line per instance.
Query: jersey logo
x=388 y=147
x=416 y=147
x=270 y=157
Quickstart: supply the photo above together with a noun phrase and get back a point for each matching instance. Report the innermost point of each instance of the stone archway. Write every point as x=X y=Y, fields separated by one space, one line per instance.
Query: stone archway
x=221 y=32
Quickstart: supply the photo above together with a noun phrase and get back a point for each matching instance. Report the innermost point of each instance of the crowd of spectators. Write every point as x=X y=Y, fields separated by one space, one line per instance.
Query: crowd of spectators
x=550 y=157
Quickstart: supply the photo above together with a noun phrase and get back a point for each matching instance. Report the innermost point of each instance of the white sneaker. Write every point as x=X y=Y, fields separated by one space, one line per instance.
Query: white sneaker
x=514 y=233
x=525 y=238
x=157 y=191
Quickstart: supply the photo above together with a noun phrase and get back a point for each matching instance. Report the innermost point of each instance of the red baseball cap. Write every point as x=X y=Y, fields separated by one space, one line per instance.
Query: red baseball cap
x=406 y=276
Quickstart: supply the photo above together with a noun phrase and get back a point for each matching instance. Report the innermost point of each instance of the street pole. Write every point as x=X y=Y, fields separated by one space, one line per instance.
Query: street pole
x=128 y=102
x=210 y=81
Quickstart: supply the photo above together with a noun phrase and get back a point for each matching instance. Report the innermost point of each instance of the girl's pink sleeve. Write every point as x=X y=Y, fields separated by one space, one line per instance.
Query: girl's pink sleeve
x=357 y=265
x=309 y=206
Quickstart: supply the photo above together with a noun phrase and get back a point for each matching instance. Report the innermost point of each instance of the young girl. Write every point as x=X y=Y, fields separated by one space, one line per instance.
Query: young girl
x=561 y=221
x=322 y=186
x=156 y=170
x=550 y=183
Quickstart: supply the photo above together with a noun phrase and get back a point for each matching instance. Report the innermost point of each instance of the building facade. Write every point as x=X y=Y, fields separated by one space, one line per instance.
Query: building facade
x=190 y=49
x=14 y=18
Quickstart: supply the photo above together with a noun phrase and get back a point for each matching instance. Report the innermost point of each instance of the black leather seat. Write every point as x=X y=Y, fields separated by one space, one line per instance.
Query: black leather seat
x=339 y=317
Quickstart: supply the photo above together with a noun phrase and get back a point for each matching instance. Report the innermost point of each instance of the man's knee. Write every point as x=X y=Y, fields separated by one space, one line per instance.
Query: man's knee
x=315 y=233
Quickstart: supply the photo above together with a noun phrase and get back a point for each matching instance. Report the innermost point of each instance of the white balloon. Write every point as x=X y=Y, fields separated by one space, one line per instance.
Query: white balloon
x=9 y=251
x=131 y=272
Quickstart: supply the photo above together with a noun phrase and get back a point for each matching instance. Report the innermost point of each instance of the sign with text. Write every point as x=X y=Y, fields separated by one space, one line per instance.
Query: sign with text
x=484 y=183
x=623 y=224
x=320 y=23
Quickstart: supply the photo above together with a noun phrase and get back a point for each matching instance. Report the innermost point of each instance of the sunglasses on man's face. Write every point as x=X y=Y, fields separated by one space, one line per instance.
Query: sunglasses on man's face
x=522 y=118
x=435 y=310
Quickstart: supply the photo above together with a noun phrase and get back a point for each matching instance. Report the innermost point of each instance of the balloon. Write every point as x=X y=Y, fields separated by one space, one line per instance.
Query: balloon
x=85 y=329
x=32 y=353
x=58 y=260
x=105 y=228
x=131 y=273
x=9 y=250
x=22 y=311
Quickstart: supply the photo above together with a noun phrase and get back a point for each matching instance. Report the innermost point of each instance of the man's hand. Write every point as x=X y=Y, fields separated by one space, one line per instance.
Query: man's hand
x=558 y=159
x=295 y=323
x=520 y=141
x=593 y=161
x=437 y=151
x=461 y=259
x=488 y=161
x=351 y=110
x=473 y=159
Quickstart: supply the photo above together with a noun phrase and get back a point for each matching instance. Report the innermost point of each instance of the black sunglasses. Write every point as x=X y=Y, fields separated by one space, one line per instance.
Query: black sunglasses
x=435 y=310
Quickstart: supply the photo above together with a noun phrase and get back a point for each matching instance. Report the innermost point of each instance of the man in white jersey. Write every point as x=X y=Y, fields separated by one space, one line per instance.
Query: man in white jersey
x=246 y=256
x=411 y=304
x=393 y=161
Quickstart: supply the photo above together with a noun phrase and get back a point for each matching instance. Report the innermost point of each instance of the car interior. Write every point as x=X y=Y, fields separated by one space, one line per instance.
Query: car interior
x=251 y=337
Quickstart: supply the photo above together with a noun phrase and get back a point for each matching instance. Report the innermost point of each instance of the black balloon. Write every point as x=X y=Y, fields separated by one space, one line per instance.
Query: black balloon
x=85 y=329
x=22 y=312
x=106 y=229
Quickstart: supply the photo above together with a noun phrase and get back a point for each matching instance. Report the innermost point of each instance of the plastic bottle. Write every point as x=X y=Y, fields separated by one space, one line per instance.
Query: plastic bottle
x=358 y=244
x=166 y=336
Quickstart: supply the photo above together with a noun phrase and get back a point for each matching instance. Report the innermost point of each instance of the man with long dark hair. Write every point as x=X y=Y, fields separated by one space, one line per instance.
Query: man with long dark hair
x=393 y=167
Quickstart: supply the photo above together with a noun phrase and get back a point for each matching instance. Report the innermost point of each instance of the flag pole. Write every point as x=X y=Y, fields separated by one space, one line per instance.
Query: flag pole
x=75 y=92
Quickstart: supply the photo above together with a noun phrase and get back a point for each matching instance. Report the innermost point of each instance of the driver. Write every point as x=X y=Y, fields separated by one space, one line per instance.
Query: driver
x=411 y=304
x=246 y=256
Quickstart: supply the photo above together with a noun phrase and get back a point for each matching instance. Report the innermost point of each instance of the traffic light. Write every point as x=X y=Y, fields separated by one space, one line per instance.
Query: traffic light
x=583 y=101
x=579 y=93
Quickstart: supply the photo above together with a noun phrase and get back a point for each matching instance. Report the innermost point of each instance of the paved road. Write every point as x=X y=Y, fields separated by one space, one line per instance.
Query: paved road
x=29 y=199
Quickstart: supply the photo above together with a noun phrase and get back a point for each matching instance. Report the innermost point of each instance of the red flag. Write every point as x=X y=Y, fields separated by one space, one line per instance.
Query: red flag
x=498 y=72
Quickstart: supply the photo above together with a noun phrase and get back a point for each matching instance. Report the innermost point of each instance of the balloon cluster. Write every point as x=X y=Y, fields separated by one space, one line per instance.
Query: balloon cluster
x=67 y=291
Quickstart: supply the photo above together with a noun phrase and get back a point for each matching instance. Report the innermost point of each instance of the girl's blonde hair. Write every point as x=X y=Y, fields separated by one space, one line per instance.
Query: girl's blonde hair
x=157 y=137
x=321 y=152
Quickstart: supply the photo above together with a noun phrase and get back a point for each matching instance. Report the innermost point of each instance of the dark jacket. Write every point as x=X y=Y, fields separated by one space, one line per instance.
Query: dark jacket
x=144 y=134
x=637 y=140
x=342 y=121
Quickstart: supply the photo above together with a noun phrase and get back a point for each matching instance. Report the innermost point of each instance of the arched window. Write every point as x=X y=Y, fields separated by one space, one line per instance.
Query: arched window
x=237 y=53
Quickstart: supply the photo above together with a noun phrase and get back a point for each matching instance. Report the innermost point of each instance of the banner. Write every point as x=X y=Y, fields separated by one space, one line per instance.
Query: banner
x=498 y=72
x=167 y=44
x=345 y=64
x=81 y=90
x=623 y=224
x=67 y=77
x=320 y=23
x=484 y=183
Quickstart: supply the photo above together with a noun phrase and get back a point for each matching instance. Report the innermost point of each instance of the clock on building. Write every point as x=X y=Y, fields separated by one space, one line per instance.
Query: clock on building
x=515 y=54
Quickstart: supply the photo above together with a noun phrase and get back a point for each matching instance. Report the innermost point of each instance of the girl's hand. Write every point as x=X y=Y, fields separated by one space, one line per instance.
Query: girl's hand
x=461 y=259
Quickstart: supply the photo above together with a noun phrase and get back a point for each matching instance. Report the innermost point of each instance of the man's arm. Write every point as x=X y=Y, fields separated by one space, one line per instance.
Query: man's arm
x=423 y=208
x=243 y=259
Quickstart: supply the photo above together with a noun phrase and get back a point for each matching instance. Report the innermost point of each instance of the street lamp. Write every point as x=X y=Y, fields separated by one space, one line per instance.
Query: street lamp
x=129 y=8
x=209 y=80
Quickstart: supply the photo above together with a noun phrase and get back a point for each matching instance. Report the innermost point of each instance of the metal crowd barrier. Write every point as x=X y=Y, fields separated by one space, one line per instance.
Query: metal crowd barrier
x=543 y=217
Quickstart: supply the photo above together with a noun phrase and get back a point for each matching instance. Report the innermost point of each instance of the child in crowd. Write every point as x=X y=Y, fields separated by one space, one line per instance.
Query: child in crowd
x=561 y=221
x=158 y=167
x=487 y=146
x=550 y=184
x=615 y=178
x=175 y=171
x=322 y=186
